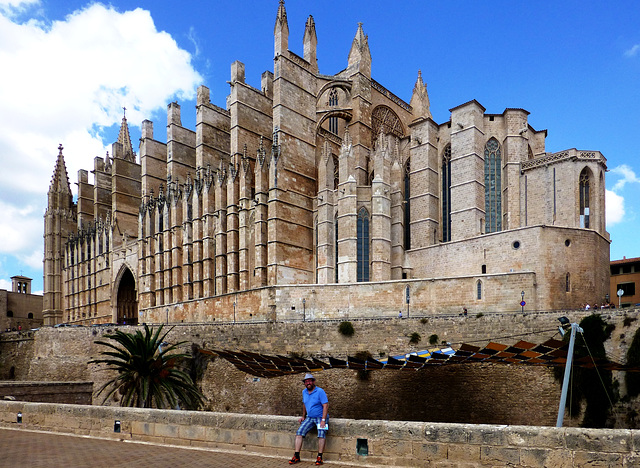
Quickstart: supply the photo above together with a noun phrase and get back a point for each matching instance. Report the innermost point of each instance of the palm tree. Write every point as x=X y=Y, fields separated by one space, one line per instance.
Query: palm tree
x=148 y=375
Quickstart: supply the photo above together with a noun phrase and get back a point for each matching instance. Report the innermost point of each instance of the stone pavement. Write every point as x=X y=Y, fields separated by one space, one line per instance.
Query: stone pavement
x=35 y=449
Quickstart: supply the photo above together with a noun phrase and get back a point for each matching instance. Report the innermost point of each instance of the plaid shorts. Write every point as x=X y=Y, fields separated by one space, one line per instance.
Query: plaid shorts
x=310 y=423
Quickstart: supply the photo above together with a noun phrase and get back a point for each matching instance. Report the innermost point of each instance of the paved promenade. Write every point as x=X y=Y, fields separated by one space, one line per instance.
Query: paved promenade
x=21 y=448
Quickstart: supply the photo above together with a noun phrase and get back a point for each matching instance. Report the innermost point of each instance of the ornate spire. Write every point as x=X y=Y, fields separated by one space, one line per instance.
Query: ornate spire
x=420 y=99
x=360 y=55
x=310 y=43
x=60 y=179
x=125 y=140
x=281 y=30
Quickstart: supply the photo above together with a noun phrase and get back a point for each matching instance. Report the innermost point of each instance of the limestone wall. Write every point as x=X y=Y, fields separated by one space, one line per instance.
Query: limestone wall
x=48 y=392
x=396 y=443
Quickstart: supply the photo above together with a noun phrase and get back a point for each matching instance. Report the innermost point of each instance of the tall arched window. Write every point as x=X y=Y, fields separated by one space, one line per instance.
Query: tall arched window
x=333 y=121
x=446 y=194
x=407 y=205
x=584 y=198
x=479 y=290
x=567 y=283
x=493 y=186
x=335 y=240
x=363 y=245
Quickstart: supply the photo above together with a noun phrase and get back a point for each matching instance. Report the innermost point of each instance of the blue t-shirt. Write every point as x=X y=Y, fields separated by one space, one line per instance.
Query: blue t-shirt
x=313 y=401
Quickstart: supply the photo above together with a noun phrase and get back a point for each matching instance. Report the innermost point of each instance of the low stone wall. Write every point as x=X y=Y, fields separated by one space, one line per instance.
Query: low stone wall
x=77 y=393
x=396 y=443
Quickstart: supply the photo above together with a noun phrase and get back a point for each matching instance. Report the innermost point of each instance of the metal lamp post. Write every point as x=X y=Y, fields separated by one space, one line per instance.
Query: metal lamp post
x=304 y=310
x=522 y=303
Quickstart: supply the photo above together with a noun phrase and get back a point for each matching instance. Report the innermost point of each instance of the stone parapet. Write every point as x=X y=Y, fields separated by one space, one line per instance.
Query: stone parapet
x=366 y=442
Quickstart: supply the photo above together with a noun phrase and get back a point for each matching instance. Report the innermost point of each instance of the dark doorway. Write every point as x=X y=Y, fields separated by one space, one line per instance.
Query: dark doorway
x=127 y=304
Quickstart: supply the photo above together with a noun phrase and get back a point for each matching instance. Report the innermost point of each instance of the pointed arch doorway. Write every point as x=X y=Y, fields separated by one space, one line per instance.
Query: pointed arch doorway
x=127 y=299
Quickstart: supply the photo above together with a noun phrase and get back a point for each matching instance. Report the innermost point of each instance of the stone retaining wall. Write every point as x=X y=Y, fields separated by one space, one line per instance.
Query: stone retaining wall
x=79 y=393
x=393 y=443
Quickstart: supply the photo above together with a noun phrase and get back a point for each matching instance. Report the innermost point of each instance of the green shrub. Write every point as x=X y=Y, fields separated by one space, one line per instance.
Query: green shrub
x=479 y=314
x=346 y=328
x=423 y=320
x=415 y=338
x=433 y=339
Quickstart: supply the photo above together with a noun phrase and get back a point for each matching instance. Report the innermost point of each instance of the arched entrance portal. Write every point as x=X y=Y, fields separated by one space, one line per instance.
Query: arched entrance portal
x=127 y=304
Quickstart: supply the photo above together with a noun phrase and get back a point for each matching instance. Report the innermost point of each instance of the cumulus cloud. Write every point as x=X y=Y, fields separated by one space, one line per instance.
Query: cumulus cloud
x=65 y=81
x=614 y=207
x=5 y=284
x=633 y=51
x=627 y=175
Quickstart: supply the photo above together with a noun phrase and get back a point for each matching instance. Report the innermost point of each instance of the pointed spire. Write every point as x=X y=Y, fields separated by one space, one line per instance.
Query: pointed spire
x=310 y=43
x=60 y=179
x=125 y=140
x=281 y=30
x=360 y=55
x=420 y=99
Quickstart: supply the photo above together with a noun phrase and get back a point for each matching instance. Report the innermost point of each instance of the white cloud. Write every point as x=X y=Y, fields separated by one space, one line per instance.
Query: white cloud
x=63 y=82
x=633 y=51
x=627 y=176
x=5 y=284
x=614 y=207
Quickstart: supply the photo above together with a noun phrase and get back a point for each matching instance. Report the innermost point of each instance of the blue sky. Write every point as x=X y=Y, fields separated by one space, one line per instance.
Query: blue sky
x=73 y=65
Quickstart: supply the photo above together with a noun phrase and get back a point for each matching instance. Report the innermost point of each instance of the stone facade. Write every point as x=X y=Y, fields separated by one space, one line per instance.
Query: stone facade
x=329 y=182
x=19 y=309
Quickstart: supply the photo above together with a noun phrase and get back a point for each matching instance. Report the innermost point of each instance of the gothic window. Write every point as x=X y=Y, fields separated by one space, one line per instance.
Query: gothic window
x=479 y=290
x=567 y=285
x=333 y=101
x=493 y=186
x=384 y=120
x=30 y=315
x=446 y=194
x=407 y=205
x=335 y=240
x=336 y=172
x=584 y=198
x=363 y=245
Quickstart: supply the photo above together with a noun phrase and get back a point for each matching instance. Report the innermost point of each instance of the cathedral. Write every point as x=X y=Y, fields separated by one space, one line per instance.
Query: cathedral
x=325 y=196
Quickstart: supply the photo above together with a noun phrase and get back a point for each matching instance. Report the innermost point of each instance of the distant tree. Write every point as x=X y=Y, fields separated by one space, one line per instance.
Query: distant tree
x=148 y=371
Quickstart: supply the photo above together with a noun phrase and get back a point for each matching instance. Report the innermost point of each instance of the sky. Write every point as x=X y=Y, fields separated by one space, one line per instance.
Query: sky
x=69 y=67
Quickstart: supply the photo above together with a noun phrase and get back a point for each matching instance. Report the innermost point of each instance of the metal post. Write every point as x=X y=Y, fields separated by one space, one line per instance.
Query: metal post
x=234 y=311
x=304 y=310
x=567 y=373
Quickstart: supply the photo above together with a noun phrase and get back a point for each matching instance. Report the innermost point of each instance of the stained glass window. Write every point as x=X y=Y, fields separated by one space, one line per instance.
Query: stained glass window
x=446 y=194
x=363 y=245
x=407 y=205
x=584 y=198
x=493 y=186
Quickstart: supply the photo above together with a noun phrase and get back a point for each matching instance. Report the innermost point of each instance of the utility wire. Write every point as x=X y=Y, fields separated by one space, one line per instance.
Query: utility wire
x=599 y=376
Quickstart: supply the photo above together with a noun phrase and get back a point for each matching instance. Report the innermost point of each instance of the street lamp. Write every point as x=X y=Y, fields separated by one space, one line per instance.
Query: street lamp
x=234 y=311
x=304 y=310
x=522 y=303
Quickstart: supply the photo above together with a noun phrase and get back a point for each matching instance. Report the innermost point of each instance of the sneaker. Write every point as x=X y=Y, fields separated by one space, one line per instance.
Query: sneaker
x=319 y=461
x=294 y=460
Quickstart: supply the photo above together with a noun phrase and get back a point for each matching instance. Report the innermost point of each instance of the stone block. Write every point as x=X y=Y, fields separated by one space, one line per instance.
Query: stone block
x=168 y=431
x=463 y=452
x=528 y=436
x=431 y=451
x=191 y=432
x=597 y=459
x=598 y=440
x=447 y=433
x=499 y=455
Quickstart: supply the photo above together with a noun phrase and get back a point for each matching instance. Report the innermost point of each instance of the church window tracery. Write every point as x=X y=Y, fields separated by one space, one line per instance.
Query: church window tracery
x=407 y=205
x=446 y=194
x=363 y=245
x=333 y=102
x=384 y=120
x=584 y=198
x=493 y=186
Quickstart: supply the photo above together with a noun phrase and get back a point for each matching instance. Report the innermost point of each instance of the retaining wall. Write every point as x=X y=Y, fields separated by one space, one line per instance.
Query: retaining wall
x=391 y=443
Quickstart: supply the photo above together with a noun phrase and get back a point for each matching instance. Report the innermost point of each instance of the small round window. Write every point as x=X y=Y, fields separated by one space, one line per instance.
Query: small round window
x=516 y=244
x=567 y=242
